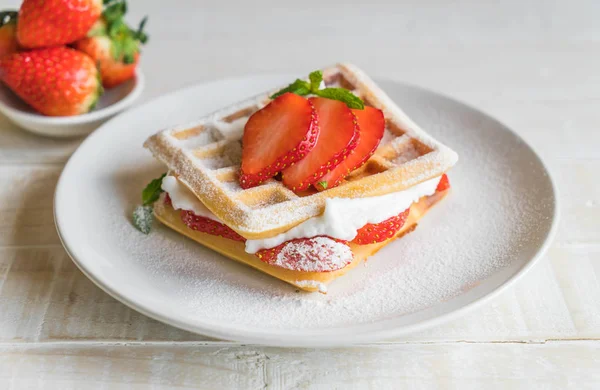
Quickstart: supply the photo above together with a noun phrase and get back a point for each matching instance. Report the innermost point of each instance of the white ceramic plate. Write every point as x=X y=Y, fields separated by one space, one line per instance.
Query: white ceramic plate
x=498 y=219
x=112 y=102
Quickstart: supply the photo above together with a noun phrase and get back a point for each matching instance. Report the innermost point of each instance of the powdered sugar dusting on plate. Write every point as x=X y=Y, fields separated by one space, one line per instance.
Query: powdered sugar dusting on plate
x=491 y=224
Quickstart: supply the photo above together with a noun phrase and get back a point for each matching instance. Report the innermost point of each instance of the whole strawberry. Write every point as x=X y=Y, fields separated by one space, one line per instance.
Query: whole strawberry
x=116 y=48
x=8 y=34
x=56 y=81
x=44 y=23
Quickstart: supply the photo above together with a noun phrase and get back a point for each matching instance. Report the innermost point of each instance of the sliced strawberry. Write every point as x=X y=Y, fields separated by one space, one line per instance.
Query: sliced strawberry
x=371 y=125
x=206 y=225
x=317 y=254
x=276 y=136
x=338 y=137
x=444 y=184
x=378 y=232
x=168 y=200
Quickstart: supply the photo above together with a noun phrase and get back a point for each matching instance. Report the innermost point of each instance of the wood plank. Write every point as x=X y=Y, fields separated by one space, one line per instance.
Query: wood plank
x=22 y=147
x=554 y=365
x=26 y=195
x=540 y=95
x=45 y=298
x=580 y=202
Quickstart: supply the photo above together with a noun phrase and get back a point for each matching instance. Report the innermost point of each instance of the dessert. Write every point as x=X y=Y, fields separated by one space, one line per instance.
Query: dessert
x=303 y=184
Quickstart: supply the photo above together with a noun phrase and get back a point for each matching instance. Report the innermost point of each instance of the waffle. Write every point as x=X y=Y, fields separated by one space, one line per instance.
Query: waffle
x=307 y=281
x=206 y=156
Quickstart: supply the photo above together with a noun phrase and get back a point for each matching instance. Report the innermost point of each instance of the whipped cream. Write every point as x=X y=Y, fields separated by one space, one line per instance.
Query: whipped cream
x=344 y=216
x=184 y=199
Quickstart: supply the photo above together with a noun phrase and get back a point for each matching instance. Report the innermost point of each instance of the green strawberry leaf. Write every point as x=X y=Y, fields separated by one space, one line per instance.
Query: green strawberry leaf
x=343 y=95
x=114 y=10
x=143 y=218
x=299 y=87
x=323 y=184
x=140 y=35
x=152 y=191
x=315 y=80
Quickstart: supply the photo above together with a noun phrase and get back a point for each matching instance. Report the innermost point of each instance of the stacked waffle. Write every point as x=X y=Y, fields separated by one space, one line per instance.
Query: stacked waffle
x=309 y=234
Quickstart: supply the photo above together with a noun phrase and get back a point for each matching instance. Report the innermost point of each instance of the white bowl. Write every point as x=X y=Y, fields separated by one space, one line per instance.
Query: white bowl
x=112 y=102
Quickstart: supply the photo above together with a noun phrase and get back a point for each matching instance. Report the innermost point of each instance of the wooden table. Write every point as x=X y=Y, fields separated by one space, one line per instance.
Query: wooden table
x=535 y=66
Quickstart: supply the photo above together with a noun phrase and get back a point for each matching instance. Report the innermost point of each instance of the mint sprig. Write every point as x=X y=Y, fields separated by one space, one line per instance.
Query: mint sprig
x=315 y=80
x=299 y=87
x=143 y=218
x=343 y=95
x=303 y=88
x=152 y=191
x=142 y=214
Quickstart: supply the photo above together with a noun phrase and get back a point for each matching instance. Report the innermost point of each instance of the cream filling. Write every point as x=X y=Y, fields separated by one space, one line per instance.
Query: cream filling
x=342 y=219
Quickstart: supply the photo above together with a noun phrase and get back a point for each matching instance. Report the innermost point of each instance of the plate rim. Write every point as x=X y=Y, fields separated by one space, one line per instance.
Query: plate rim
x=322 y=339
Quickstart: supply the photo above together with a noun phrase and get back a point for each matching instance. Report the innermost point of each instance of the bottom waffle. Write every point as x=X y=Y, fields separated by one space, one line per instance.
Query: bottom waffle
x=307 y=281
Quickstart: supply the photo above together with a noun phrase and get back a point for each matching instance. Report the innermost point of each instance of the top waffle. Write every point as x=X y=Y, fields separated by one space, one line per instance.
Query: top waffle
x=206 y=157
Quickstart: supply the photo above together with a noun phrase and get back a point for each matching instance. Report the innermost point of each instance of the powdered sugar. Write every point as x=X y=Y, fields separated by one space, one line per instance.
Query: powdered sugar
x=232 y=130
x=312 y=283
x=198 y=166
x=491 y=224
x=318 y=254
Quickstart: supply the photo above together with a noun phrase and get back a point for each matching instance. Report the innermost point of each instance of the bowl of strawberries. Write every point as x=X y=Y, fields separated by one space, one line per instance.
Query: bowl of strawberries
x=66 y=66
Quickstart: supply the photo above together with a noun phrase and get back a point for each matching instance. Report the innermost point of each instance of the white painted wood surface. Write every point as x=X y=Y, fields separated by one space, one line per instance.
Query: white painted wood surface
x=534 y=65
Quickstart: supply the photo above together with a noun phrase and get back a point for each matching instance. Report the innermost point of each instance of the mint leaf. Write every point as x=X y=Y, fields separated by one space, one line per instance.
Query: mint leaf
x=303 y=88
x=142 y=218
x=152 y=191
x=343 y=95
x=299 y=87
x=315 y=80
x=323 y=184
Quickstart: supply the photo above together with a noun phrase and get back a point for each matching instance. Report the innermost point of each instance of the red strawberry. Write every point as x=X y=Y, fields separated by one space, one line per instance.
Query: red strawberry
x=57 y=81
x=206 y=225
x=44 y=23
x=276 y=136
x=338 y=137
x=8 y=35
x=317 y=254
x=116 y=48
x=378 y=232
x=168 y=200
x=444 y=183
x=371 y=124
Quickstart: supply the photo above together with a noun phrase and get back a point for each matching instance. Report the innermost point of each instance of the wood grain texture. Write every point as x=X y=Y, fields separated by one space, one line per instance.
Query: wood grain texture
x=26 y=194
x=534 y=65
x=456 y=365
x=46 y=298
